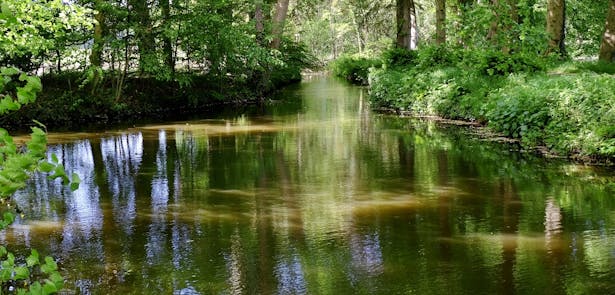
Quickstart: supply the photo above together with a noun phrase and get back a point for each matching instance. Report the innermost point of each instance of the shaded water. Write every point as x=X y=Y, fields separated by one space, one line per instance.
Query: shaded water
x=316 y=195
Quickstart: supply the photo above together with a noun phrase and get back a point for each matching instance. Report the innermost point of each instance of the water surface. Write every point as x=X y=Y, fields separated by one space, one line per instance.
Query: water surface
x=314 y=194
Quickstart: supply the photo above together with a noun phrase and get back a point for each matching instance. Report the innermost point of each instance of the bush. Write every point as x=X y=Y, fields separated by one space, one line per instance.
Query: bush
x=437 y=56
x=571 y=114
x=354 y=69
x=399 y=57
x=495 y=62
x=449 y=92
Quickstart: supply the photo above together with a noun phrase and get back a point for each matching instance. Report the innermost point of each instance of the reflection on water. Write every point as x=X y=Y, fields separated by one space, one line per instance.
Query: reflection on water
x=316 y=195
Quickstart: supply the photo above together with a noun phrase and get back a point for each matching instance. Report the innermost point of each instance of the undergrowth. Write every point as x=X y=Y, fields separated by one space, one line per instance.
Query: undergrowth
x=568 y=107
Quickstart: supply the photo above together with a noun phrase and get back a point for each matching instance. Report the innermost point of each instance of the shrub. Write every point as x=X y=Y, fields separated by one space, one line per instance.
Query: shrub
x=495 y=62
x=436 y=56
x=568 y=113
x=399 y=57
x=354 y=69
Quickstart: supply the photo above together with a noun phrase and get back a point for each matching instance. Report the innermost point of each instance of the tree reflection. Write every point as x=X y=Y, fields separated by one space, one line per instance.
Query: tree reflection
x=328 y=199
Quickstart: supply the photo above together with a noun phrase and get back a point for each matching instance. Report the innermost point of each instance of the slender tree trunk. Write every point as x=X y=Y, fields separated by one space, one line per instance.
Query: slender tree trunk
x=556 y=21
x=281 y=10
x=259 y=21
x=169 y=59
x=440 y=22
x=144 y=34
x=414 y=27
x=493 y=27
x=407 y=29
x=607 y=47
x=97 y=47
x=403 y=23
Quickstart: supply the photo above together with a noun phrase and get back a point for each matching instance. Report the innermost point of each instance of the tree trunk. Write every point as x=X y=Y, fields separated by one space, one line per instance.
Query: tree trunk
x=143 y=32
x=607 y=47
x=556 y=21
x=97 y=47
x=414 y=27
x=259 y=21
x=169 y=59
x=403 y=23
x=440 y=22
x=277 y=28
x=493 y=27
x=514 y=11
x=407 y=29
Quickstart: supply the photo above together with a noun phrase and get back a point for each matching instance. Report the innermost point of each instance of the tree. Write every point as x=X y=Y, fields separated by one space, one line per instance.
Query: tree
x=169 y=59
x=607 y=46
x=556 y=22
x=440 y=22
x=259 y=21
x=144 y=33
x=407 y=27
x=98 y=45
x=277 y=27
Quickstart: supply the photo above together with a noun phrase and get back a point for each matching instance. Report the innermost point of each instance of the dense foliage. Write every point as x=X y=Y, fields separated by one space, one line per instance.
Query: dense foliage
x=501 y=65
x=107 y=59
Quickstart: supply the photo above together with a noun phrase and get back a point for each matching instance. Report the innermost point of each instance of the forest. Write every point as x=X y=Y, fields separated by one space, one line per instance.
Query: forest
x=537 y=72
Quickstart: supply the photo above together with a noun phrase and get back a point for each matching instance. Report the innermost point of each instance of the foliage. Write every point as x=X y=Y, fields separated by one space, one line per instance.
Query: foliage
x=25 y=277
x=294 y=57
x=31 y=29
x=571 y=110
x=16 y=165
x=492 y=62
x=399 y=57
x=567 y=113
x=354 y=68
x=437 y=55
x=449 y=92
x=585 y=26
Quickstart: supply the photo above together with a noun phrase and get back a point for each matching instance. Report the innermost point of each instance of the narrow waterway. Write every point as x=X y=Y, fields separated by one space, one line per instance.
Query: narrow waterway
x=315 y=194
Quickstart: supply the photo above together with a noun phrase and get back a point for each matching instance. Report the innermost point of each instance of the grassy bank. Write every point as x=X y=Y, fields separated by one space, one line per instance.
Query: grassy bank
x=566 y=106
x=68 y=101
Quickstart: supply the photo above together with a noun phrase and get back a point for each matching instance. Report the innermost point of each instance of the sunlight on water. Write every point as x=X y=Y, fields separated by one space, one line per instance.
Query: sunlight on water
x=316 y=195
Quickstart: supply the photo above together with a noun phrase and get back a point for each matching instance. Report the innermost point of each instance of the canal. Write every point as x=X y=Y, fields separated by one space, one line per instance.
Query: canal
x=315 y=194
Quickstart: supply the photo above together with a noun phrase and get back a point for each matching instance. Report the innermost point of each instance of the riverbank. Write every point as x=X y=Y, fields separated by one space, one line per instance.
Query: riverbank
x=566 y=107
x=68 y=103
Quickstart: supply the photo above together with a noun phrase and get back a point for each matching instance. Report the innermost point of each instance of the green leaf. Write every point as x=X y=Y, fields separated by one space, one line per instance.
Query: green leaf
x=57 y=279
x=7 y=104
x=49 y=266
x=9 y=217
x=36 y=289
x=21 y=273
x=33 y=259
x=8 y=71
x=46 y=167
x=74 y=184
x=24 y=96
x=3 y=251
x=5 y=274
x=54 y=159
x=49 y=287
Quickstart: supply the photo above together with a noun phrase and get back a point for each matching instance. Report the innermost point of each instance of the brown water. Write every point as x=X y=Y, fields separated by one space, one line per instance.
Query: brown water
x=316 y=195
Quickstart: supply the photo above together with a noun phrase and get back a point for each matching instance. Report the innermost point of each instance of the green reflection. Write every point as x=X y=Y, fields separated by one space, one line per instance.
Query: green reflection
x=316 y=195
